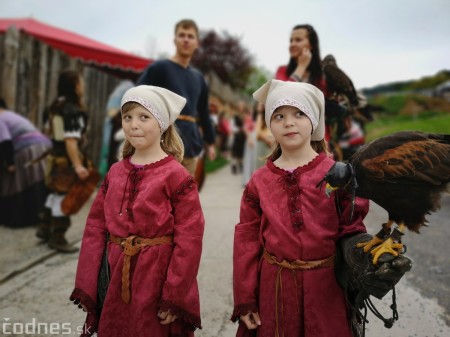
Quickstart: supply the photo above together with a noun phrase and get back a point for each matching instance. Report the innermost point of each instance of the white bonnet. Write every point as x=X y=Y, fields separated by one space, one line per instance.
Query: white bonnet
x=306 y=97
x=163 y=104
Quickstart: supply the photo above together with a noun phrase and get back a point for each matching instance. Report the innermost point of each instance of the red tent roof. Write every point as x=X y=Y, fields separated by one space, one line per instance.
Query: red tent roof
x=78 y=46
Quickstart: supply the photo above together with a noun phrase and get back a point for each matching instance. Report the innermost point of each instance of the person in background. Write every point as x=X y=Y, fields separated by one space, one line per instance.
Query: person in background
x=305 y=63
x=177 y=75
x=112 y=124
x=249 y=161
x=67 y=122
x=264 y=138
x=22 y=170
x=238 y=139
x=224 y=133
x=149 y=206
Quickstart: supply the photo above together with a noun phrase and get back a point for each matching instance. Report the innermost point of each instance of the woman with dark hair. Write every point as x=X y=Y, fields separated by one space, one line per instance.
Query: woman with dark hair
x=305 y=63
x=67 y=124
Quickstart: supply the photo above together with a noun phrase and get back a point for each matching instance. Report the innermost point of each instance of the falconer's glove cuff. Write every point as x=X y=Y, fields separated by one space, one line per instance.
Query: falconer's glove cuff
x=356 y=272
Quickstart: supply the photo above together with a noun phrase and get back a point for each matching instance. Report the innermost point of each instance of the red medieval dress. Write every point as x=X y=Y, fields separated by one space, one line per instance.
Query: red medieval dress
x=288 y=216
x=155 y=200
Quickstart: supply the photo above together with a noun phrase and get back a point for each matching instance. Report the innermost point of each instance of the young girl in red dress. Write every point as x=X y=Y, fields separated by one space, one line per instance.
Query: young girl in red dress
x=286 y=241
x=149 y=206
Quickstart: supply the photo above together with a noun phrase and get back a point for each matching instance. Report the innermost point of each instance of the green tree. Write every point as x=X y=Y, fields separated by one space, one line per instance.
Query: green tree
x=226 y=57
x=258 y=77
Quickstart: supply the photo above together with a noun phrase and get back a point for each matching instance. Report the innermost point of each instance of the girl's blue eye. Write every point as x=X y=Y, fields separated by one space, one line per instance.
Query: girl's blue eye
x=278 y=116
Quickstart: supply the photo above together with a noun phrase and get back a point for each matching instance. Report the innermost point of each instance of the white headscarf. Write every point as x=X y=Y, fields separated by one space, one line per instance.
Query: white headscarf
x=306 y=97
x=163 y=104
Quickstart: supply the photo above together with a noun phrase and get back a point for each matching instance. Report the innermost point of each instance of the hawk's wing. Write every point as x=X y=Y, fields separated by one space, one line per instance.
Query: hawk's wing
x=416 y=161
x=338 y=82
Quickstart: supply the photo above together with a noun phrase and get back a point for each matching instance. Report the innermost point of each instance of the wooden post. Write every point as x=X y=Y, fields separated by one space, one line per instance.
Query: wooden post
x=24 y=84
x=41 y=84
x=9 y=71
x=2 y=60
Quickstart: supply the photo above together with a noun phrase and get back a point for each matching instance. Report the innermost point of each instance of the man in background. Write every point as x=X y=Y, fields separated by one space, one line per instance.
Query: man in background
x=176 y=74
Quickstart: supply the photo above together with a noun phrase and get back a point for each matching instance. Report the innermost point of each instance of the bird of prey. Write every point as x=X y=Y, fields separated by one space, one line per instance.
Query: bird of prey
x=405 y=173
x=338 y=83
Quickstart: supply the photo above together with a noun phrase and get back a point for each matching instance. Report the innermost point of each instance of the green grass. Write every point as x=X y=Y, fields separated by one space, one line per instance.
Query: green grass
x=214 y=165
x=430 y=121
x=391 y=104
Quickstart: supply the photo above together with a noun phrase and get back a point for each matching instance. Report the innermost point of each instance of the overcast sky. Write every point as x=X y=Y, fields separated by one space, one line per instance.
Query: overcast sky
x=374 y=41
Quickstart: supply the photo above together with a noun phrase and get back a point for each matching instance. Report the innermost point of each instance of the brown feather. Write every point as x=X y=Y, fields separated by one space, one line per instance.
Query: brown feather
x=417 y=160
x=405 y=173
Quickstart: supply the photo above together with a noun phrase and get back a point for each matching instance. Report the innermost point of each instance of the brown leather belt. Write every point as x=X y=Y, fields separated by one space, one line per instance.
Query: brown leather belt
x=131 y=246
x=297 y=264
x=187 y=118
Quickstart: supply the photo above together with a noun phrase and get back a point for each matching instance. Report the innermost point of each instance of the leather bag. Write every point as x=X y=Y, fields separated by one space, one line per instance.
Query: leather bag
x=61 y=175
x=80 y=191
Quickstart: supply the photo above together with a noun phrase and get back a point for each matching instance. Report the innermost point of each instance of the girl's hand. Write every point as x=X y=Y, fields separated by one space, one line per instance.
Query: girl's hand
x=166 y=317
x=251 y=320
x=82 y=172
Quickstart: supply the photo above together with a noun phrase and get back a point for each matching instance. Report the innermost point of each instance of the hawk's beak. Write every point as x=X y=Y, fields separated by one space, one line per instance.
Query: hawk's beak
x=329 y=189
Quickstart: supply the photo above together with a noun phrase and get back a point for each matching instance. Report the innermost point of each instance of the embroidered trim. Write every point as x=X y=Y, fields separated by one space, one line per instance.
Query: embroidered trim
x=79 y=297
x=91 y=324
x=243 y=309
x=187 y=183
x=251 y=199
x=290 y=185
x=294 y=103
x=191 y=319
x=135 y=177
x=150 y=108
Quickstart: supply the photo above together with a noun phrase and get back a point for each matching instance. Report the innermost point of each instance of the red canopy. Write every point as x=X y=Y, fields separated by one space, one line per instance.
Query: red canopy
x=78 y=46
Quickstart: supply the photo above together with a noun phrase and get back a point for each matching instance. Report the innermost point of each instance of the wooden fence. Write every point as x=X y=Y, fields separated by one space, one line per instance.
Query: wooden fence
x=29 y=71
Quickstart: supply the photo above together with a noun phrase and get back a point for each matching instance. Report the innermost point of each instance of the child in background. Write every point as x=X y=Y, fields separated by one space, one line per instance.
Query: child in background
x=286 y=241
x=67 y=125
x=149 y=206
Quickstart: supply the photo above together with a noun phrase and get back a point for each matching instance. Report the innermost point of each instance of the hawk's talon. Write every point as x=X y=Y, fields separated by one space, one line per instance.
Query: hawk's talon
x=370 y=244
x=388 y=246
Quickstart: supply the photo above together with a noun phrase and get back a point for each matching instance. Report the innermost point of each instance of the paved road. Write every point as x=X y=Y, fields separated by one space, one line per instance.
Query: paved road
x=35 y=283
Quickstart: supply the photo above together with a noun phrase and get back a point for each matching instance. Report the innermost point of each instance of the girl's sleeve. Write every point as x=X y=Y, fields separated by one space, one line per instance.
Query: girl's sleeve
x=180 y=292
x=247 y=254
x=92 y=247
x=351 y=219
